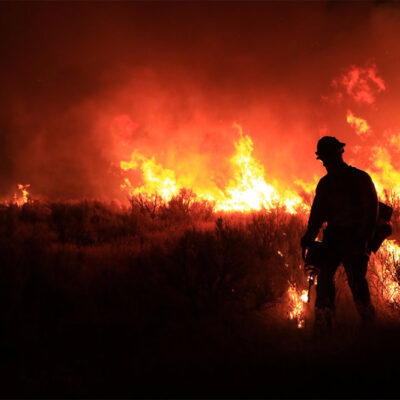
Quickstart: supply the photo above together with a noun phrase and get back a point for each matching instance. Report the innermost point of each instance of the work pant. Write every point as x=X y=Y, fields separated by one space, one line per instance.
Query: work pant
x=355 y=265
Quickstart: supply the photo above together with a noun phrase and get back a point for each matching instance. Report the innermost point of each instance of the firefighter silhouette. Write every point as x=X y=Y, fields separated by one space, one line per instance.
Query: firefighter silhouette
x=346 y=200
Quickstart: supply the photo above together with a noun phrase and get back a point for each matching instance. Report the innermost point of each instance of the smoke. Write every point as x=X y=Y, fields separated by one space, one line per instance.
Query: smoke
x=85 y=84
x=361 y=84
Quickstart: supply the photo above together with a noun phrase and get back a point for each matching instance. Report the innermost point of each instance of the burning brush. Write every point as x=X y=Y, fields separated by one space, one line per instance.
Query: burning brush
x=312 y=258
x=297 y=299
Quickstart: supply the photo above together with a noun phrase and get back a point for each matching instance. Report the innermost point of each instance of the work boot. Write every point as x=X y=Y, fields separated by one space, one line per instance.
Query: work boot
x=366 y=312
x=323 y=321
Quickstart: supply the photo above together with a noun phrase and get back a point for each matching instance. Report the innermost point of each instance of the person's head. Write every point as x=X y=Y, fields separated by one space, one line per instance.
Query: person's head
x=330 y=151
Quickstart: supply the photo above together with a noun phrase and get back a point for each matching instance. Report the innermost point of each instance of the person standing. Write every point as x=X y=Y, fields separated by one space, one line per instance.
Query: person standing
x=346 y=200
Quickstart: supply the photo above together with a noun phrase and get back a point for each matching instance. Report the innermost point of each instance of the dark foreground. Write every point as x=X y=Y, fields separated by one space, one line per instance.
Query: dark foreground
x=173 y=302
x=111 y=362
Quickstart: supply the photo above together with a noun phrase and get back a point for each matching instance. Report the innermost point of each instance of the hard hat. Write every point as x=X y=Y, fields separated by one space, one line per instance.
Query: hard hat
x=328 y=145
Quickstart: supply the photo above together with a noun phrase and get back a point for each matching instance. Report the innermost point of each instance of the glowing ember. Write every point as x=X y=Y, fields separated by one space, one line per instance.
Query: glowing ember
x=304 y=296
x=358 y=124
x=296 y=305
x=23 y=197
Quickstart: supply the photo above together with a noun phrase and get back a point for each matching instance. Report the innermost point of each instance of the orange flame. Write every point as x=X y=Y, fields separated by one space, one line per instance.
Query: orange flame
x=296 y=305
x=388 y=267
x=246 y=190
x=157 y=180
x=383 y=173
x=23 y=197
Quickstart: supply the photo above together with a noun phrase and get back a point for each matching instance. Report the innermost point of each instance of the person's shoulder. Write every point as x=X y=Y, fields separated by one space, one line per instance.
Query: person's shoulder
x=324 y=179
x=359 y=173
x=323 y=182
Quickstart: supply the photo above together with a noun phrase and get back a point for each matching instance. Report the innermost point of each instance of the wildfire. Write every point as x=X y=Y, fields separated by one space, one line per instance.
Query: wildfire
x=246 y=187
x=23 y=197
x=388 y=268
x=296 y=305
x=383 y=173
x=307 y=187
x=157 y=180
x=246 y=190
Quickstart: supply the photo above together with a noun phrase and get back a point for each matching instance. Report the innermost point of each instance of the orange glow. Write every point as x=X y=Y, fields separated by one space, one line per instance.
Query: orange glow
x=394 y=140
x=246 y=189
x=361 y=84
x=308 y=187
x=296 y=305
x=358 y=124
x=244 y=185
x=23 y=197
x=388 y=263
x=383 y=173
x=157 y=180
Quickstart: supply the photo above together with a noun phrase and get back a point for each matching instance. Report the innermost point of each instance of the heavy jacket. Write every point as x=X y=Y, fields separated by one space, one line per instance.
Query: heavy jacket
x=347 y=201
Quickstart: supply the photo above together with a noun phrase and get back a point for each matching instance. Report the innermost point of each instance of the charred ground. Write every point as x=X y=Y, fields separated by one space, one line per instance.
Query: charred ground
x=172 y=300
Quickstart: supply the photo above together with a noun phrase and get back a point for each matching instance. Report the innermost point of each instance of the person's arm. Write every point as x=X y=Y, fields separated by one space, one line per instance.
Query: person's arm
x=316 y=219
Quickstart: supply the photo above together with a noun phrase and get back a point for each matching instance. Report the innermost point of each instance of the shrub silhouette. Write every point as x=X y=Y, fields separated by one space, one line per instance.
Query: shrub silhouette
x=150 y=282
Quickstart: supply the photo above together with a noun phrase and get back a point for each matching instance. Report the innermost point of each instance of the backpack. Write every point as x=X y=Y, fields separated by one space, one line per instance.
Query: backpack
x=383 y=228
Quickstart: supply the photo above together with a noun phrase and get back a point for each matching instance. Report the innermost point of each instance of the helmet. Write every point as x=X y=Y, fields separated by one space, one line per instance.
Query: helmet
x=328 y=145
